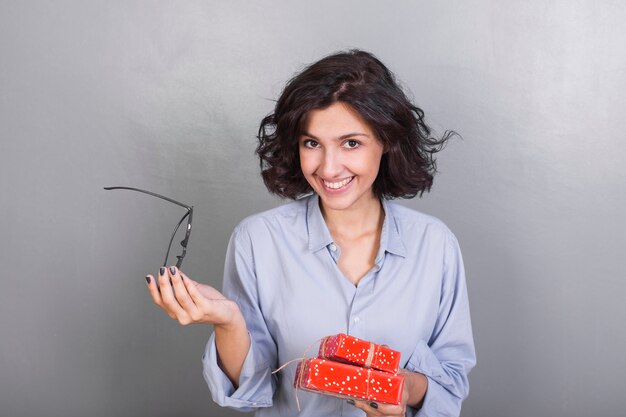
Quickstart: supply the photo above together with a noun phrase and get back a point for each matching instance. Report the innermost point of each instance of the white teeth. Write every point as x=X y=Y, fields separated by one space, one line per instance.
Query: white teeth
x=336 y=185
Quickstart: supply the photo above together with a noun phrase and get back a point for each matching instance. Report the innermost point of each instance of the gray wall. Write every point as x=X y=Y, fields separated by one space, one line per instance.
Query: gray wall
x=168 y=96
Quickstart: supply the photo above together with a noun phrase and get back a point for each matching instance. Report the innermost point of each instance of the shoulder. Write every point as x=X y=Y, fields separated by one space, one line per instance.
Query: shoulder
x=267 y=234
x=412 y=224
x=426 y=237
x=289 y=215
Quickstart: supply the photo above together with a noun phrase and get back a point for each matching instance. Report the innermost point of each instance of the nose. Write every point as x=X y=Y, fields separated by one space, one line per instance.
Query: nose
x=331 y=165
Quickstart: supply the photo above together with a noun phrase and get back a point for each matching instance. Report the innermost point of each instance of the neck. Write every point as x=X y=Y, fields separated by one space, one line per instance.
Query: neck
x=365 y=218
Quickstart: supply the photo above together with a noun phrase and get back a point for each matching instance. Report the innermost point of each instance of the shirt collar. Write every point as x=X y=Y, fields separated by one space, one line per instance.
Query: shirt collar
x=390 y=239
x=319 y=235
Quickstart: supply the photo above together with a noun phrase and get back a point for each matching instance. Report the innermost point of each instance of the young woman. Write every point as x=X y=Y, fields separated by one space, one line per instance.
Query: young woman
x=342 y=142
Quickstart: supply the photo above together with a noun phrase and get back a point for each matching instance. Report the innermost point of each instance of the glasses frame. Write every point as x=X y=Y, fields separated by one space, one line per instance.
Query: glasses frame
x=188 y=216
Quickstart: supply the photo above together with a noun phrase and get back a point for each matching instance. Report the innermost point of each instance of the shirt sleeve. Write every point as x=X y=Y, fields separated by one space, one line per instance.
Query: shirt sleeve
x=449 y=355
x=256 y=383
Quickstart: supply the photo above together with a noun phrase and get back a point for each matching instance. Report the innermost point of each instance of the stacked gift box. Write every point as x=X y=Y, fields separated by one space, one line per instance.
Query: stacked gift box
x=349 y=367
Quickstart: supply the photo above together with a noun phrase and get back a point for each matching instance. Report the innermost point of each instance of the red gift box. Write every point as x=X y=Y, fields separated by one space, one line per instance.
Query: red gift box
x=344 y=348
x=348 y=381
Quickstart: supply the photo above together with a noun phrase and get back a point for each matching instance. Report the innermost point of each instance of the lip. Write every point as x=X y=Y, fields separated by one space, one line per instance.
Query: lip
x=337 y=190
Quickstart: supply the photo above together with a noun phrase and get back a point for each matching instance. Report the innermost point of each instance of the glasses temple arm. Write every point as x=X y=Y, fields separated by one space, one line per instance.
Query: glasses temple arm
x=149 y=193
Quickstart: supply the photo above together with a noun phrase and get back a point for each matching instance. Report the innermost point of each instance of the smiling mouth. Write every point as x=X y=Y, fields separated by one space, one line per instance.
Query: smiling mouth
x=337 y=185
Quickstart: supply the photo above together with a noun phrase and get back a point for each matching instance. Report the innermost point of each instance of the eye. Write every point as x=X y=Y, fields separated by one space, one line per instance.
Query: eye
x=351 y=144
x=310 y=143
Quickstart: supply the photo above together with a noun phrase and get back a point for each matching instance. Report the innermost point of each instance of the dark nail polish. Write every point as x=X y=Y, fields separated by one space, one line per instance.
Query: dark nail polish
x=373 y=405
x=162 y=271
x=351 y=402
x=148 y=279
x=172 y=270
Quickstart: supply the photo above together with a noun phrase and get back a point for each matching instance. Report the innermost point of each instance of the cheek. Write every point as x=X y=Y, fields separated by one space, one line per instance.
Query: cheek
x=371 y=165
x=307 y=163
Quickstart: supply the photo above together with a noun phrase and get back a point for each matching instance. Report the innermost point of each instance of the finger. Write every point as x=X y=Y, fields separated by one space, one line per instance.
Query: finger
x=206 y=307
x=204 y=292
x=169 y=302
x=154 y=290
x=181 y=293
x=193 y=292
x=186 y=278
x=155 y=293
x=381 y=409
x=359 y=404
x=374 y=409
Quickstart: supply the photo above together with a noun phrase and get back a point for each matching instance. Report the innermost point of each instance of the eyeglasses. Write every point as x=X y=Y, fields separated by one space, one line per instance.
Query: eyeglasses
x=188 y=216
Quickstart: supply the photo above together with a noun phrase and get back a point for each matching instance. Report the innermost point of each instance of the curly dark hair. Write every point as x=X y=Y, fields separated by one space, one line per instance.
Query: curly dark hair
x=360 y=80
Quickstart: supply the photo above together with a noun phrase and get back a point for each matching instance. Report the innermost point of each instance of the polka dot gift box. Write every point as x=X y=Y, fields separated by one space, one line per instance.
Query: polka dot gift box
x=348 y=381
x=349 y=349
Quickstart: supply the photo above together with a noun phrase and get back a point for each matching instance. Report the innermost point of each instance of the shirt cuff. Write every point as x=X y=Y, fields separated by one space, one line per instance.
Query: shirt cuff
x=256 y=383
x=438 y=401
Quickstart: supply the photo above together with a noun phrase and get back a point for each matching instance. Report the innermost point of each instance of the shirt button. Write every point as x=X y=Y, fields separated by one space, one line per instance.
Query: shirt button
x=356 y=319
x=333 y=247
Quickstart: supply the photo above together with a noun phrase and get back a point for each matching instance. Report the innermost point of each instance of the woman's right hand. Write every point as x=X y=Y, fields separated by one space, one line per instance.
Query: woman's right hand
x=188 y=301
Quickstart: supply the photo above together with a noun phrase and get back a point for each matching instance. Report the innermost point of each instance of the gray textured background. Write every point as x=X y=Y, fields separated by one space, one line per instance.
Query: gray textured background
x=168 y=96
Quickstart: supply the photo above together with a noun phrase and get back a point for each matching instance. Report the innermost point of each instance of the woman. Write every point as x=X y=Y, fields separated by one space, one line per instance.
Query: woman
x=343 y=140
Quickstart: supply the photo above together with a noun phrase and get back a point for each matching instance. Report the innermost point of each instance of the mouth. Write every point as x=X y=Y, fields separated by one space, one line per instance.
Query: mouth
x=337 y=185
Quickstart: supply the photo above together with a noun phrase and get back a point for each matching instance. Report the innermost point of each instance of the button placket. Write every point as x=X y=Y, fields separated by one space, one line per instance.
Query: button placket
x=334 y=251
x=353 y=312
x=355 y=319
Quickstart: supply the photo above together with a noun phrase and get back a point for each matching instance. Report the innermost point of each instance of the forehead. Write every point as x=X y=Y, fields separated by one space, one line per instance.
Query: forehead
x=335 y=120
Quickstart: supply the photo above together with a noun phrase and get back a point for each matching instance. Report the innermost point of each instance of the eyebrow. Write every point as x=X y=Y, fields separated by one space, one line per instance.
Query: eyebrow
x=342 y=137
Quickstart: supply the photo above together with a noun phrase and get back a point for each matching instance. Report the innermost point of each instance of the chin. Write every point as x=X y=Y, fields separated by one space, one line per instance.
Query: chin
x=338 y=203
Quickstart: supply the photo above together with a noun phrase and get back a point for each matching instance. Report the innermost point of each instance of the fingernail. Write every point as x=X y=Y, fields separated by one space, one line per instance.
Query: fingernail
x=162 y=271
x=351 y=402
x=373 y=405
x=172 y=270
x=148 y=279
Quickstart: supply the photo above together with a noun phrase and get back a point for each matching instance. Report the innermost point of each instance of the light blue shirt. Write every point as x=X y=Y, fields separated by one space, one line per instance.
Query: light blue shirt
x=281 y=269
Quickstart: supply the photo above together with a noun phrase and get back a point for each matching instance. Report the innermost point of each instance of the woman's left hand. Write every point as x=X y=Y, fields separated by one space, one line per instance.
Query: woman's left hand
x=373 y=409
x=412 y=382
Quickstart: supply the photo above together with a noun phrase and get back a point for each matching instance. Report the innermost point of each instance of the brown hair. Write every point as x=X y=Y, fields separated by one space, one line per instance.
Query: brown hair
x=360 y=80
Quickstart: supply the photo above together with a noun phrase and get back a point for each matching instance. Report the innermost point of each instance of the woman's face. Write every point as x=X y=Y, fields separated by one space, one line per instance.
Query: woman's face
x=340 y=157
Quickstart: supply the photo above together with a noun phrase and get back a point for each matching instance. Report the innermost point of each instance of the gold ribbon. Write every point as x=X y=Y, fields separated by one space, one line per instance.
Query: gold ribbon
x=370 y=355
